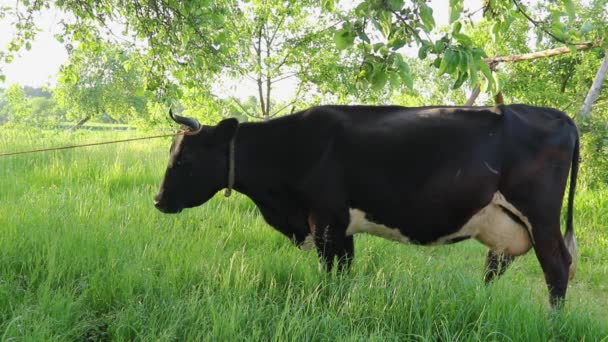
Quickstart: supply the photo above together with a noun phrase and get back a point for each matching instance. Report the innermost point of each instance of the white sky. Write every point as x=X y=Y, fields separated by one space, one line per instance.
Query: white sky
x=39 y=66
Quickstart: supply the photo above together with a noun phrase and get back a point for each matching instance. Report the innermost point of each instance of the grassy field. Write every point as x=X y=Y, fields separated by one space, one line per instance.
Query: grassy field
x=84 y=255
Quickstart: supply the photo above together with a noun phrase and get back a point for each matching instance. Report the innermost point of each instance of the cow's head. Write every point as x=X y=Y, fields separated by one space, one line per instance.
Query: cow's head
x=198 y=164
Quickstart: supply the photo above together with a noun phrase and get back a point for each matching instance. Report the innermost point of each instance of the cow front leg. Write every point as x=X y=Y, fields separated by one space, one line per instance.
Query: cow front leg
x=332 y=243
x=496 y=264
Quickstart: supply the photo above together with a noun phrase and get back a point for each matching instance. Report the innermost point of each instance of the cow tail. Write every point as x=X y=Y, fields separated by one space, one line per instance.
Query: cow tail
x=569 y=237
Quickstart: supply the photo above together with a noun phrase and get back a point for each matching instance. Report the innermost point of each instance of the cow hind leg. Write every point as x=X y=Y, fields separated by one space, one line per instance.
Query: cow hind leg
x=496 y=264
x=549 y=245
x=555 y=261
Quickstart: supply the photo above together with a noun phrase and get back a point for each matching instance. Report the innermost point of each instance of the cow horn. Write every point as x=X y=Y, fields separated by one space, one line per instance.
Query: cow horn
x=190 y=122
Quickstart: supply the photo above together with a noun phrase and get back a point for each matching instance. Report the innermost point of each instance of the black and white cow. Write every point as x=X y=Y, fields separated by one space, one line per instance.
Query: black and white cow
x=429 y=175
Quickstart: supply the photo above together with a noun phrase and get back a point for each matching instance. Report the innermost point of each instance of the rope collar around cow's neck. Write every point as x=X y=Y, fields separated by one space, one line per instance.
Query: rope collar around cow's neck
x=231 y=167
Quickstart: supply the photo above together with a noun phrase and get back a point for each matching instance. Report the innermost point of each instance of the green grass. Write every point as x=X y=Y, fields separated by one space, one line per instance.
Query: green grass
x=84 y=255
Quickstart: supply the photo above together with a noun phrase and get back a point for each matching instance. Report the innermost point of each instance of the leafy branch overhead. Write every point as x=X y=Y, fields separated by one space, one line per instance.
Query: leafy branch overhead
x=192 y=43
x=393 y=25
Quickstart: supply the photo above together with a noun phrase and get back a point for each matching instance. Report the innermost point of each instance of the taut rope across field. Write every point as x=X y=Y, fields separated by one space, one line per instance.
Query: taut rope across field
x=6 y=154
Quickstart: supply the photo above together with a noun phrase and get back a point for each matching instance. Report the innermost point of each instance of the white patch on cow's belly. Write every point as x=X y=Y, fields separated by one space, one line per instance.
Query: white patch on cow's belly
x=359 y=224
x=495 y=229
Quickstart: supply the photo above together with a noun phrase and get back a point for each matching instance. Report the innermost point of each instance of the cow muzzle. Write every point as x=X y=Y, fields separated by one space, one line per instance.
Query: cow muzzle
x=167 y=210
x=163 y=207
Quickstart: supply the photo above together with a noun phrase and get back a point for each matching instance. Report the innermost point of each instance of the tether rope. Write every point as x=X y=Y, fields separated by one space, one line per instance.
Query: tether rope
x=5 y=154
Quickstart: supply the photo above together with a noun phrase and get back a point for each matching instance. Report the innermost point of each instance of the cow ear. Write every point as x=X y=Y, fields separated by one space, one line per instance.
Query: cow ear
x=225 y=130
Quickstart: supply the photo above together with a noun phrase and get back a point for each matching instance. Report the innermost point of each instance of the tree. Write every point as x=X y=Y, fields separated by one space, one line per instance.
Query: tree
x=17 y=108
x=393 y=24
x=183 y=40
x=45 y=111
x=287 y=39
x=290 y=42
x=3 y=103
x=108 y=81
x=190 y=40
x=438 y=89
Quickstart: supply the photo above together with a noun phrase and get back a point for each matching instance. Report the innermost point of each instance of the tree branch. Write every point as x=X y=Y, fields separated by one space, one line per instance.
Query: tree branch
x=259 y=78
x=536 y=23
x=284 y=77
x=245 y=111
x=295 y=98
x=540 y=54
x=277 y=29
x=268 y=81
x=408 y=26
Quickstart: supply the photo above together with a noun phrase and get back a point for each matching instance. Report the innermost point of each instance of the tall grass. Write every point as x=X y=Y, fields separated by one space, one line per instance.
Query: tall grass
x=84 y=255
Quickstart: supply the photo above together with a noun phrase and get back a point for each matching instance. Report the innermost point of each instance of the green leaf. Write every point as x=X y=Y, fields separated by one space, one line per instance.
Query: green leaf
x=449 y=62
x=478 y=53
x=394 y=79
x=395 y=5
x=587 y=27
x=437 y=62
x=363 y=36
x=463 y=60
x=569 y=5
x=386 y=23
x=362 y=9
x=426 y=14
x=422 y=52
x=472 y=64
x=402 y=65
x=457 y=27
x=439 y=46
x=496 y=32
x=379 y=79
x=453 y=62
x=2 y=78
x=404 y=71
x=485 y=70
x=462 y=76
x=463 y=39
x=328 y=5
x=444 y=64
x=407 y=79
x=456 y=7
x=344 y=38
x=558 y=31
x=397 y=43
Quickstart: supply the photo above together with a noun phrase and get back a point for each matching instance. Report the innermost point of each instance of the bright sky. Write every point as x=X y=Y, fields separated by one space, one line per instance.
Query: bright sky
x=40 y=65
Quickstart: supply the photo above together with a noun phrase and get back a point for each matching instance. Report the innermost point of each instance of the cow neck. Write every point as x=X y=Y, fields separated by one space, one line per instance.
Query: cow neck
x=260 y=160
x=231 y=166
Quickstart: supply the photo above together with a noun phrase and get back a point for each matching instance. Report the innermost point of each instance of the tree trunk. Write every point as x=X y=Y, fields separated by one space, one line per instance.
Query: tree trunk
x=474 y=95
x=498 y=99
x=80 y=123
x=595 y=89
